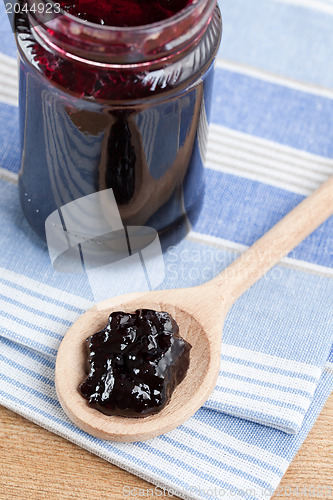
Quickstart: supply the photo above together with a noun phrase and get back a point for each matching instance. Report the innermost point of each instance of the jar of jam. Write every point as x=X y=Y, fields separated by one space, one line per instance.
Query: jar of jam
x=116 y=94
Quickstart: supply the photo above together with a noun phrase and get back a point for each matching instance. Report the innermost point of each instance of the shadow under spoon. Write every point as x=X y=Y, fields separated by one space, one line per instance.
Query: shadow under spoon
x=200 y=313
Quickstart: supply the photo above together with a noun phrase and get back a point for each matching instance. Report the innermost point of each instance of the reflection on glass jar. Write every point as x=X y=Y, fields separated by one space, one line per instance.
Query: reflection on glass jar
x=123 y=108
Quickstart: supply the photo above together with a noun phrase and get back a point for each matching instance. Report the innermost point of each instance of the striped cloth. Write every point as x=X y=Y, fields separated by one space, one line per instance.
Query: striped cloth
x=270 y=144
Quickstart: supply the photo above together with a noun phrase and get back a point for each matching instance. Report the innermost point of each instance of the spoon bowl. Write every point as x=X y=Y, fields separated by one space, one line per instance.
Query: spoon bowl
x=199 y=312
x=187 y=397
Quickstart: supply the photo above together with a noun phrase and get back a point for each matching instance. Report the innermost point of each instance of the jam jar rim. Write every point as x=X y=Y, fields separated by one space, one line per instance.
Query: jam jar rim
x=78 y=39
x=141 y=27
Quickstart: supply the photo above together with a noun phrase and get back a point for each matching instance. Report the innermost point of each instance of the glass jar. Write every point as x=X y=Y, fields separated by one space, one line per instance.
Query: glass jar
x=123 y=108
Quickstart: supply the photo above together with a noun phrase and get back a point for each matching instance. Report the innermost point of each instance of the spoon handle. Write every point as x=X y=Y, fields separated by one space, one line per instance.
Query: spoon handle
x=276 y=243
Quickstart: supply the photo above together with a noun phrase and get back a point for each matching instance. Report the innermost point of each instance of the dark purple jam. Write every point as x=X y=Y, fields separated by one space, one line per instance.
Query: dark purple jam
x=135 y=364
x=124 y=13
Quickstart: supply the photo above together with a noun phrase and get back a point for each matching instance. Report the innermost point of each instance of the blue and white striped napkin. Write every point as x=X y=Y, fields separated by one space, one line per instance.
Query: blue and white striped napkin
x=270 y=144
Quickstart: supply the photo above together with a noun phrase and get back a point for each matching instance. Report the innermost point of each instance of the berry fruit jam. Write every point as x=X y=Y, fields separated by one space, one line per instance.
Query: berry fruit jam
x=135 y=363
x=124 y=13
x=116 y=95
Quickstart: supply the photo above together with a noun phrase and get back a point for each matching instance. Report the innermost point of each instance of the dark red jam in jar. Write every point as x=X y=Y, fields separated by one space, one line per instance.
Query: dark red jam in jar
x=124 y=13
x=116 y=94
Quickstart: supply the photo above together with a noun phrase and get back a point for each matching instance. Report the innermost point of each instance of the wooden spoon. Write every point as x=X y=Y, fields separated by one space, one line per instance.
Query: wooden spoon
x=199 y=311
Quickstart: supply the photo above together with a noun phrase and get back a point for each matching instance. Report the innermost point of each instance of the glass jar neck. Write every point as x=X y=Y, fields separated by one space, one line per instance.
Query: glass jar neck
x=73 y=38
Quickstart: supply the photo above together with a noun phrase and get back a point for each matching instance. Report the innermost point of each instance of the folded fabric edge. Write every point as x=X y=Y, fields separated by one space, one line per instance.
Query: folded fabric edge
x=264 y=388
x=286 y=426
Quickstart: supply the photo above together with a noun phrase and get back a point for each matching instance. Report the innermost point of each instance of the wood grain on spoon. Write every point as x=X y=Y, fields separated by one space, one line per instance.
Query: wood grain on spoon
x=200 y=313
